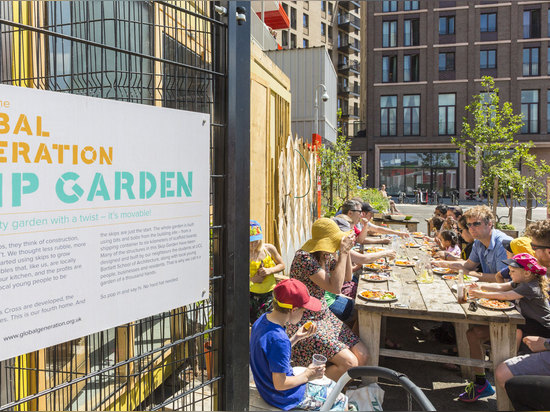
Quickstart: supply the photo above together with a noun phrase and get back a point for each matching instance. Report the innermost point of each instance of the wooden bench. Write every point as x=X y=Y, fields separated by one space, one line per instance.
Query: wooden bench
x=256 y=403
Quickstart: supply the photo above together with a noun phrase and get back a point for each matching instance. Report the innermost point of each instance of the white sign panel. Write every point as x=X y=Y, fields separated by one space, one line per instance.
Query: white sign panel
x=104 y=214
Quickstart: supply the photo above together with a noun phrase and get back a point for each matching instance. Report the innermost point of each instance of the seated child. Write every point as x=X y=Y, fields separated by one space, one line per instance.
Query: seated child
x=270 y=350
x=448 y=240
x=529 y=285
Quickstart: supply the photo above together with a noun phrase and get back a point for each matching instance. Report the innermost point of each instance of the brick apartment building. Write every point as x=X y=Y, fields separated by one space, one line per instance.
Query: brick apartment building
x=423 y=60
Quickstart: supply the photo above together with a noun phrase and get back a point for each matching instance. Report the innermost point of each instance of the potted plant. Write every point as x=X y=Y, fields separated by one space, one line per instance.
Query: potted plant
x=507 y=228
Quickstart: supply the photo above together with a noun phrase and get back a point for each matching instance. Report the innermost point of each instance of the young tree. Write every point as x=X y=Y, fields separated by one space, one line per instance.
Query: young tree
x=339 y=177
x=488 y=139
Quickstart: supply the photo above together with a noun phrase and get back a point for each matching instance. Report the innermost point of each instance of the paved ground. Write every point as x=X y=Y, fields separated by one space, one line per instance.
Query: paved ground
x=422 y=212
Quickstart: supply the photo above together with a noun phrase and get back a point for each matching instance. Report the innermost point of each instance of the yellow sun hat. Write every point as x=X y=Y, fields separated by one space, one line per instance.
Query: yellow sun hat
x=326 y=236
x=522 y=245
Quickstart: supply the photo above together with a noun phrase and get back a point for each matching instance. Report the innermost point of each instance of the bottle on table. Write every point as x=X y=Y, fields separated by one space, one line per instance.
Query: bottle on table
x=460 y=288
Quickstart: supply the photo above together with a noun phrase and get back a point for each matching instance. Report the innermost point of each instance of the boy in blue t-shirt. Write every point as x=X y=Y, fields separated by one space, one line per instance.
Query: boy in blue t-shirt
x=270 y=350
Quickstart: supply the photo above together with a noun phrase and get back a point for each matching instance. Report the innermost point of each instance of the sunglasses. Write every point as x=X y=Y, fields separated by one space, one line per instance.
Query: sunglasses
x=355 y=210
x=475 y=224
x=536 y=247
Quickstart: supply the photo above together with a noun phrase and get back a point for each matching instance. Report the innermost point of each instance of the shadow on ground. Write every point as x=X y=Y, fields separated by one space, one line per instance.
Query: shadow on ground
x=440 y=385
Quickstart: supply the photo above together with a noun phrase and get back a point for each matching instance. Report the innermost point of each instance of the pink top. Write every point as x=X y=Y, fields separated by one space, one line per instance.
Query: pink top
x=454 y=250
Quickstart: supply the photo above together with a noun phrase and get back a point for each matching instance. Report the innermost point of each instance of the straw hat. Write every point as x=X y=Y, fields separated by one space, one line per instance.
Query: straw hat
x=326 y=236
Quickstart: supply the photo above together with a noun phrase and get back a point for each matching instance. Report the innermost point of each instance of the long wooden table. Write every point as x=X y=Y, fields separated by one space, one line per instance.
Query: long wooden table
x=411 y=224
x=437 y=302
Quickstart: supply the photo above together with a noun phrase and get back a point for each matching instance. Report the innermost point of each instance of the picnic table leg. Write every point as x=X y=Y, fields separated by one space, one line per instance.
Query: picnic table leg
x=463 y=347
x=503 y=346
x=369 y=332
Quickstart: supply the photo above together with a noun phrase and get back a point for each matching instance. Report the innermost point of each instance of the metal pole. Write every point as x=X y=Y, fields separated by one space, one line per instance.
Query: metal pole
x=316 y=109
x=237 y=213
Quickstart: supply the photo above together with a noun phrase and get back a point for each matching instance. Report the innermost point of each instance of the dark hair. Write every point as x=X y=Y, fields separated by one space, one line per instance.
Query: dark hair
x=317 y=255
x=442 y=208
x=457 y=211
x=462 y=222
x=350 y=205
x=449 y=235
x=437 y=222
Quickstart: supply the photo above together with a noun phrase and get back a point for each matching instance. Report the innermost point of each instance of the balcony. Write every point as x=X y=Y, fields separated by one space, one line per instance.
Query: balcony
x=349 y=69
x=349 y=46
x=350 y=113
x=348 y=22
x=349 y=5
x=349 y=91
x=352 y=129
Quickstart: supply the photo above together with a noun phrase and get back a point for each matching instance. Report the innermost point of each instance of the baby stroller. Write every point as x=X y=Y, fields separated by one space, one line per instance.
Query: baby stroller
x=413 y=391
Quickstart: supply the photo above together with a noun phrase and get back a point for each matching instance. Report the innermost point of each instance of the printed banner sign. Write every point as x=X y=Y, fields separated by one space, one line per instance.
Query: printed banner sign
x=104 y=214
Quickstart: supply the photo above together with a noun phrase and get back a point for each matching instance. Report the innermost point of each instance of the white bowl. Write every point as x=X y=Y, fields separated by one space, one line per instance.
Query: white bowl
x=398 y=217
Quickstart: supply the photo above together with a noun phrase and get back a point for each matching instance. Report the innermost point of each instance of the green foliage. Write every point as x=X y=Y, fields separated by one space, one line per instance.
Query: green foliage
x=375 y=198
x=339 y=178
x=505 y=226
x=489 y=140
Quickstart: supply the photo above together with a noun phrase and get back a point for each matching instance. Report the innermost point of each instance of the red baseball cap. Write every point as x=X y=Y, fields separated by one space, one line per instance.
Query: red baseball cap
x=527 y=262
x=291 y=293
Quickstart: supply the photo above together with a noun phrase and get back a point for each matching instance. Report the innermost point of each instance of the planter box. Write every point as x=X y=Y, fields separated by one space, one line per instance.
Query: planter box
x=511 y=233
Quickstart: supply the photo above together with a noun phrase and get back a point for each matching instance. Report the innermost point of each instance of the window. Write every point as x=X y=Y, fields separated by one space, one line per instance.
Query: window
x=531 y=61
x=330 y=9
x=410 y=5
x=323 y=29
x=389 y=6
x=323 y=5
x=487 y=59
x=330 y=33
x=531 y=24
x=410 y=68
x=411 y=115
x=293 y=14
x=411 y=33
x=388 y=115
x=305 y=43
x=548 y=111
x=530 y=111
x=389 y=69
x=447 y=25
x=292 y=41
x=284 y=38
x=446 y=103
x=446 y=61
x=389 y=33
x=488 y=22
x=306 y=21
x=306 y=5
x=548 y=61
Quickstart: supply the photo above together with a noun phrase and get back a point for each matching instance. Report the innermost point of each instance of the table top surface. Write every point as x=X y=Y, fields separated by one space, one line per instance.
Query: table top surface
x=426 y=300
x=390 y=220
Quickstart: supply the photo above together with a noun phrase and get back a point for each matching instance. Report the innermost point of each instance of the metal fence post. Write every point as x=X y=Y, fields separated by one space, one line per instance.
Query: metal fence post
x=236 y=290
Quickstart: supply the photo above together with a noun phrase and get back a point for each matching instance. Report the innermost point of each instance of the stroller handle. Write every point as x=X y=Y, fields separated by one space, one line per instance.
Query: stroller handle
x=377 y=371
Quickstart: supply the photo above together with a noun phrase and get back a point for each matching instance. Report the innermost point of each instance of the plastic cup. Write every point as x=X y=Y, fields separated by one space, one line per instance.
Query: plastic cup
x=319 y=360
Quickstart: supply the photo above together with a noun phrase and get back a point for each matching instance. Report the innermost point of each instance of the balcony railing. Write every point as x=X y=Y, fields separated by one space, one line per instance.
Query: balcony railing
x=349 y=68
x=349 y=90
x=349 y=46
x=350 y=112
x=349 y=5
x=348 y=22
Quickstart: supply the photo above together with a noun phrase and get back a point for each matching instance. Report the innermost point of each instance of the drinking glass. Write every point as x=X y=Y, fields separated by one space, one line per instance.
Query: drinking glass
x=319 y=360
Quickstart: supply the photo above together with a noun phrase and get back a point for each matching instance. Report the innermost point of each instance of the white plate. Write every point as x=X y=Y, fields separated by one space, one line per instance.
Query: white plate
x=512 y=305
x=398 y=218
x=412 y=246
x=386 y=277
x=442 y=271
x=376 y=300
x=410 y=265
x=471 y=279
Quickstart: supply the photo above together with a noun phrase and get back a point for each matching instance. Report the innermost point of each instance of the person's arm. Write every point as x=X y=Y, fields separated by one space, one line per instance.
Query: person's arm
x=279 y=264
x=495 y=287
x=376 y=241
x=387 y=231
x=282 y=382
x=364 y=232
x=467 y=265
x=333 y=282
x=537 y=343
x=509 y=295
x=364 y=258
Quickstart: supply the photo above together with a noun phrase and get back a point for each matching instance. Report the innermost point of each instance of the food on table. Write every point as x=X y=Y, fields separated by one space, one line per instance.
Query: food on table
x=378 y=295
x=374 y=249
x=443 y=271
x=381 y=261
x=376 y=277
x=418 y=234
x=308 y=325
x=495 y=304
x=404 y=263
x=411 y=244
x=455 y=277
x=375 y=266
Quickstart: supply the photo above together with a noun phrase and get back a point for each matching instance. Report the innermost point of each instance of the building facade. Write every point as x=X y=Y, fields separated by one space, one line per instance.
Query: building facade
x=336 y=26
x=426 y=60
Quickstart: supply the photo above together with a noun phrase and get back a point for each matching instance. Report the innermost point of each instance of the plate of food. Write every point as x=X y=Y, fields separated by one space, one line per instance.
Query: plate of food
x=399 y=218
x=444 y=271
x=376 y=277
x=496 y=304
x=467 y=278
x=404 y=263
x=411 y=245
x=378 y=295
x=374 y=249
x=376 y=267
x=418 y=235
